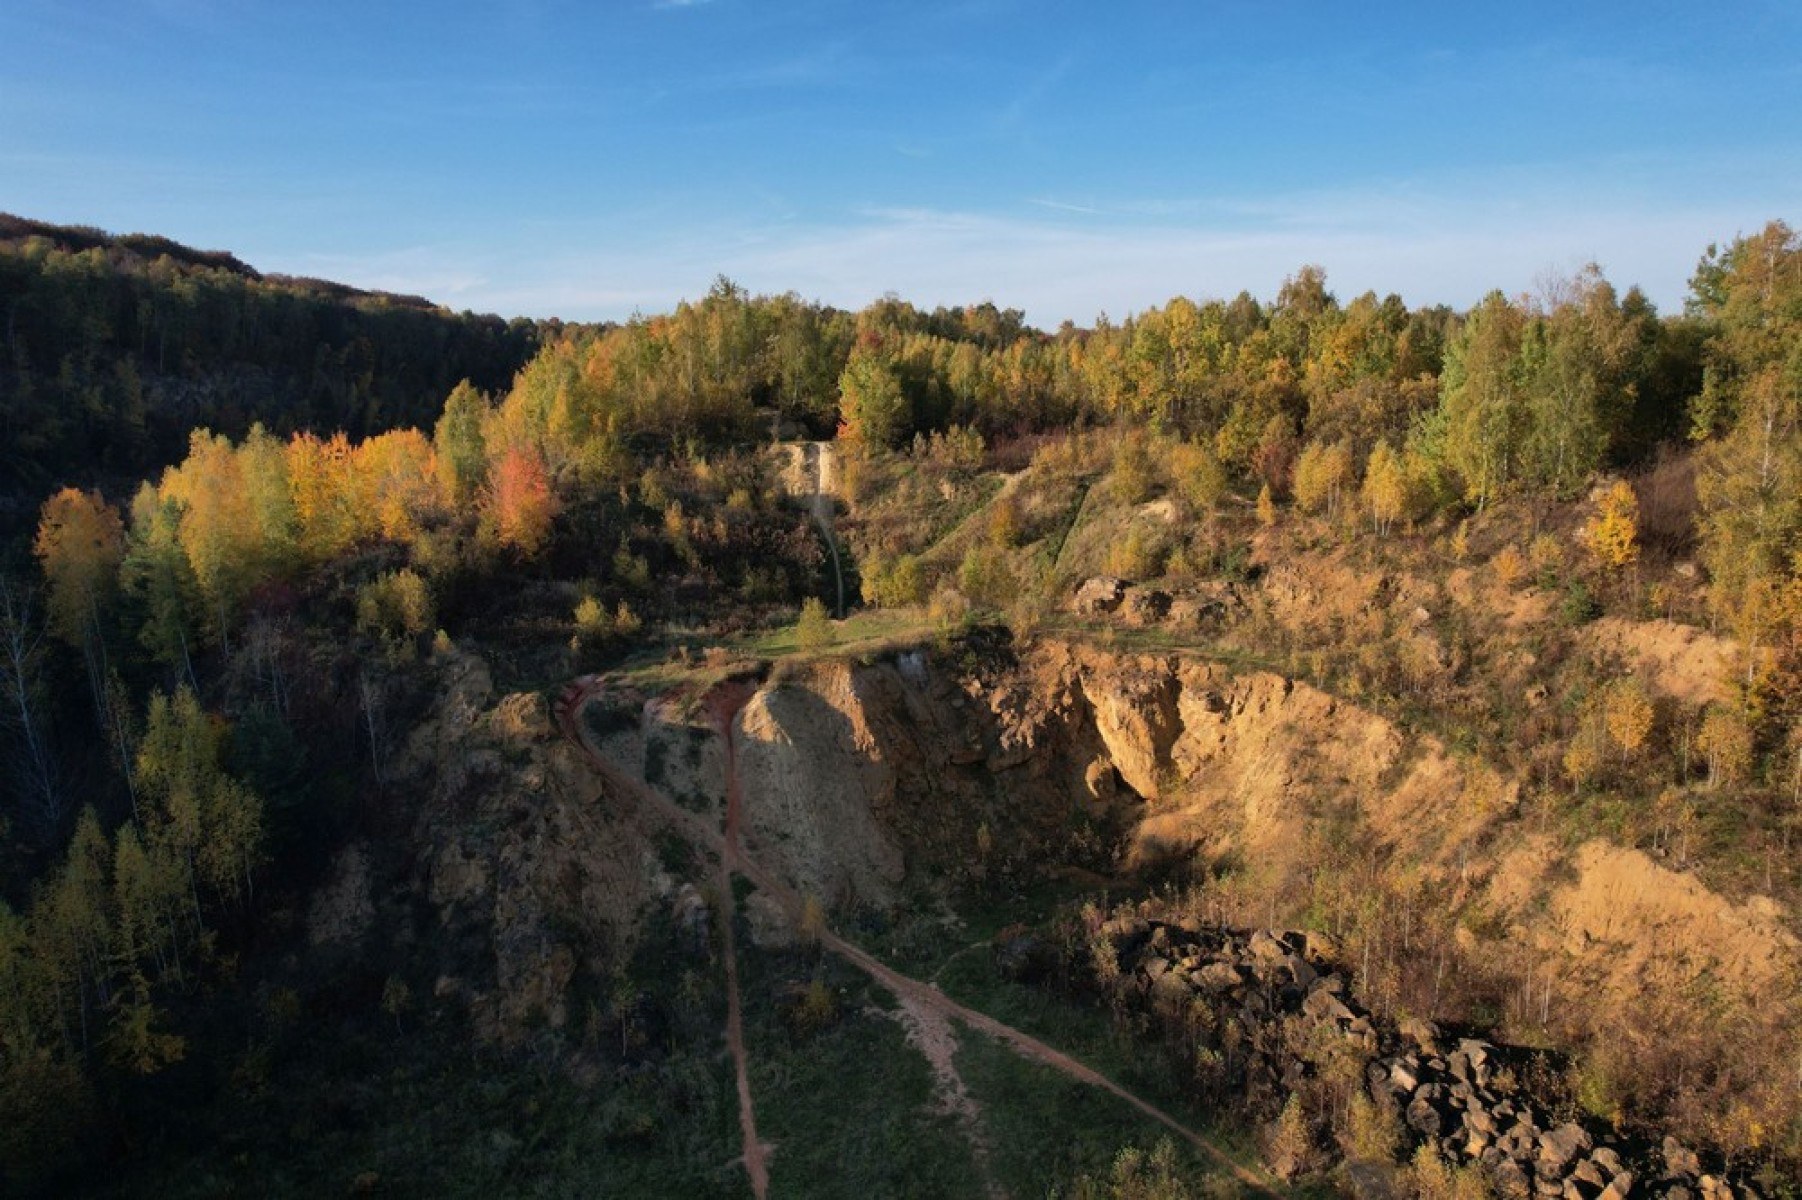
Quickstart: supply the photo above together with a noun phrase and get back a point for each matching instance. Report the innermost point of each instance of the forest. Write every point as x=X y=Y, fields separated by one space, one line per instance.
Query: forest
x=249 y=507
x=116 y=347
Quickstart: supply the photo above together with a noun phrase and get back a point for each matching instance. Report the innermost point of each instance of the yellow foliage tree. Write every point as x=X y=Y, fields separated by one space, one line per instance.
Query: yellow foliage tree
x=1321 y=474
x=1612 y=535
x=814 y=630
x=80 y=543
x=1627 y=712
x=1386 y=491
x=1726 y=742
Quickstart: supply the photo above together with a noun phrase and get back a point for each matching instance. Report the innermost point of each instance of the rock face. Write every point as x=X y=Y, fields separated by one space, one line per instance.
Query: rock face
x=813 y=778
x=536 y=881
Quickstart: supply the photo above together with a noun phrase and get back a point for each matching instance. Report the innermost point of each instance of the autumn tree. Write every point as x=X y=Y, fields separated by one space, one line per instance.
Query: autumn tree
x=1725 y=742
x=814 y=629
x=208 y=821
x=80 y=544
x=325 y=501
x=1577 y=371
x=1386 y=491
x=395 y=605
x=396 y=478
x=1322 y=475
x=1611 y=535
x=1627 y=713
x=519 y=506
x=1749 y=418
x=157 y=572
x=1198 y=474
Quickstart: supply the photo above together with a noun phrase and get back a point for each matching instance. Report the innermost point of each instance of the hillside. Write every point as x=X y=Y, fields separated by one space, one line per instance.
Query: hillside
x=1282 y=748
x=115 y=346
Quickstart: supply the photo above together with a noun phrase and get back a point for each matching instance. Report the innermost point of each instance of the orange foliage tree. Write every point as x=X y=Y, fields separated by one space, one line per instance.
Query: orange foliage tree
x=519 y=505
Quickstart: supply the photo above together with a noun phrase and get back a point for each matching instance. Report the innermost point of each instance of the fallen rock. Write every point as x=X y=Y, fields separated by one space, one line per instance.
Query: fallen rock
x=1680 y=1159
x=1217 y=977
x=1424 y=1118
x=1423 y=1034
x=1559 y=1146
x=1324 y=1006
x=1103 y=594
x=1145 y=606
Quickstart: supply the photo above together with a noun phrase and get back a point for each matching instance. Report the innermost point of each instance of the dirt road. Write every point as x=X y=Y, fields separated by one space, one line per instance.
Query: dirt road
x=577 y=695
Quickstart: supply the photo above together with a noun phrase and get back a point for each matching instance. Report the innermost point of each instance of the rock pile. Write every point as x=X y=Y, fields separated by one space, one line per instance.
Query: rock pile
x=1458 y=1095
x=1143 y=606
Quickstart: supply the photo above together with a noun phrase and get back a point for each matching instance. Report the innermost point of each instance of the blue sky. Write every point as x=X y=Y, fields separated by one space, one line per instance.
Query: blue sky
x=586 y=160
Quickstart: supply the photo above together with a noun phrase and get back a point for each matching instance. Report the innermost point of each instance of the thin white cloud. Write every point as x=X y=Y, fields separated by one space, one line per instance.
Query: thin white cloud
x=1086 y=210
x=1428 y=245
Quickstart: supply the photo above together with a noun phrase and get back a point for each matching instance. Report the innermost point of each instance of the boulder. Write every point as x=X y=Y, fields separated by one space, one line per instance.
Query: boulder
x=1371 y=1181
x=1103 y=594
x=1424 y=1118
x=1299 y=970
x=1511 y=1180
x=1145 y=606
x=1423 y=1034
x=1022 y=955
x=1217 y=978
x=1586 y=1171
x=1557 y=1147
x=1324 y=1006
x=1680 y=1159
x=1404 y=1074
x=1267 y=947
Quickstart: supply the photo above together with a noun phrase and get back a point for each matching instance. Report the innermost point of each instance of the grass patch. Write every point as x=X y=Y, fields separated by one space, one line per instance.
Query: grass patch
x=1047 y=1129
x=850 y=1108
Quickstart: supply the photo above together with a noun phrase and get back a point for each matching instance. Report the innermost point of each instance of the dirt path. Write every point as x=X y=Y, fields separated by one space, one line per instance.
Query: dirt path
x=909 y=992
x=723 y=705
x=930 y=1032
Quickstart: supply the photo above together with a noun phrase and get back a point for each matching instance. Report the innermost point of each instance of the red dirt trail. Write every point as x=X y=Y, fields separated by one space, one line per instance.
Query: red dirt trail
x=576 y=696
x=723 y=704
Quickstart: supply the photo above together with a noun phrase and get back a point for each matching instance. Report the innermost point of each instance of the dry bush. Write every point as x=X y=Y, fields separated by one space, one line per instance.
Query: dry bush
x=1509 y=565
x=1135 y=475
x=1436 y=1179
x=1547 y=557
x=949 y=608
x=1138 y=555
x=1373 y=1130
